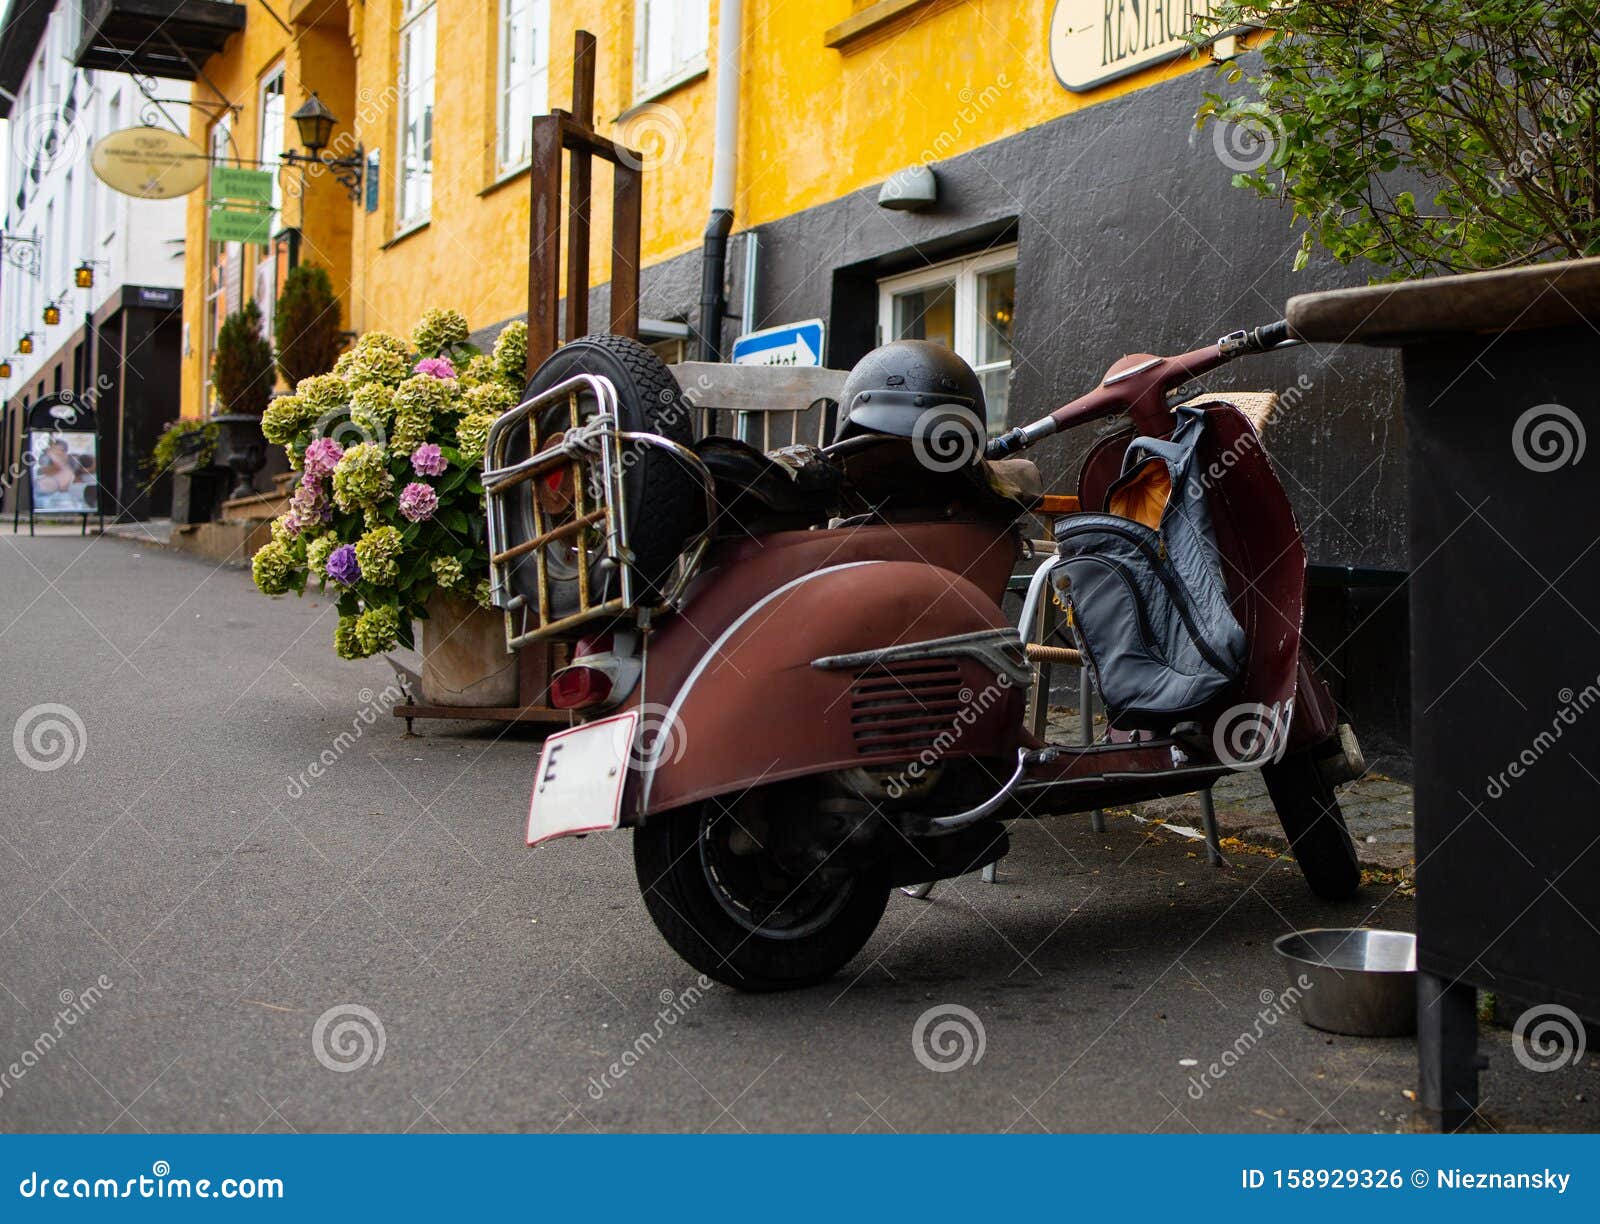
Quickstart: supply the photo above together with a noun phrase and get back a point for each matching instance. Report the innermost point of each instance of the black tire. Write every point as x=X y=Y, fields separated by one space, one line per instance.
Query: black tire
x=666 y=505
x=693 y=913
x=1314 y=825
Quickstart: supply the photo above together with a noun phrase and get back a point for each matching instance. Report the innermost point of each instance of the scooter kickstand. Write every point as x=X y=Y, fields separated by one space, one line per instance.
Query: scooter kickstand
x=1208 y=818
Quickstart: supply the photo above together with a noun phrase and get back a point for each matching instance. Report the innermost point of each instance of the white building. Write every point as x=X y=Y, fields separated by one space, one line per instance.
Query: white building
x=59 y=217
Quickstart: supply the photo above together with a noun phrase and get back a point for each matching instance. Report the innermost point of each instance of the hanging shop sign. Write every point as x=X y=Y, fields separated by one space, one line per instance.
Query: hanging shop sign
x=149 y=163
x=1095 y=41
x=233 y=183
x=241 y=206
x=228 y=224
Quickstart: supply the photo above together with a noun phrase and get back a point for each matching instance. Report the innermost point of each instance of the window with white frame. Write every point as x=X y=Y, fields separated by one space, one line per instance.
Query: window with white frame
x=967 y=305
x=524 y=77
x=272 y=128
x=669 y=42
x=414 y=170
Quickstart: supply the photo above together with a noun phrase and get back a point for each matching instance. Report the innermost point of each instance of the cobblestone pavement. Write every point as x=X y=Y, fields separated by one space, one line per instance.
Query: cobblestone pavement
x=1377 y=808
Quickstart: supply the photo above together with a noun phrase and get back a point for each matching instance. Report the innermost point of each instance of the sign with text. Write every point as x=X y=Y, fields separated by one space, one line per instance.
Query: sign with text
x=150 y=163
x=232 y=183
x=226 y=224
x=1095 y=41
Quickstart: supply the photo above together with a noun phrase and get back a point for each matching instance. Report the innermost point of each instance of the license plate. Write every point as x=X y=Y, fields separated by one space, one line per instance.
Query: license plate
x=578 y=786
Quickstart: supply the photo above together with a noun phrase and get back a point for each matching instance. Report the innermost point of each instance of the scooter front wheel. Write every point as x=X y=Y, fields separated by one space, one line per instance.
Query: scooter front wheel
x=730 y=895
x=1314 y=824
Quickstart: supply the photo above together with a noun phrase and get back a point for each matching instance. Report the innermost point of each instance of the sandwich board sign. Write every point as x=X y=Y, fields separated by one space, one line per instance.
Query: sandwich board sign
x=794 y=344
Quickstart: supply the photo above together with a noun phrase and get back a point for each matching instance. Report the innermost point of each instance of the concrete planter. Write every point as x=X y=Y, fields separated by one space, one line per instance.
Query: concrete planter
x=464 y=657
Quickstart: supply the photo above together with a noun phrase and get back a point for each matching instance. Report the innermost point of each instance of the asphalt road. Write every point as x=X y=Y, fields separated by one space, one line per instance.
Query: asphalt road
x=206 y=902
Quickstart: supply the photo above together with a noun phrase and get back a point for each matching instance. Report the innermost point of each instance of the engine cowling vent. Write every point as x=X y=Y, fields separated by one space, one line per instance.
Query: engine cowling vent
x=904 y=707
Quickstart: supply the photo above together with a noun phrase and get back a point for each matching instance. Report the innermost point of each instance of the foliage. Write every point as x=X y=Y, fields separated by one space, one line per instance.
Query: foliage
x=242 y=370
x=389 y=507
x=306 y=323
x=1424 y=137
x=184 y=436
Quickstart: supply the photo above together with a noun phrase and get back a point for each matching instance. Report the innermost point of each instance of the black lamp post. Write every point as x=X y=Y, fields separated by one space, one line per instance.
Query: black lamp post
x=316 y=123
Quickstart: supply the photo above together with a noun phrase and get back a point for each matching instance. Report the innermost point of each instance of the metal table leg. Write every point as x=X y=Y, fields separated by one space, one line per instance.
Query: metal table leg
x=1447 y=1049
x=1097 y=818
x=1208 y=819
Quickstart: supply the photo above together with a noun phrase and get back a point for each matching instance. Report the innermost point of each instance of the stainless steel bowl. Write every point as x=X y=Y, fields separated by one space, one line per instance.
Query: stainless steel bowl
x=1360 y=982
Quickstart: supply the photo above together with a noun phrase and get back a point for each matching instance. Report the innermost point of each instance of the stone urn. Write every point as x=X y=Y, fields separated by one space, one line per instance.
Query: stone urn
x=464 y=656
x=241 y=448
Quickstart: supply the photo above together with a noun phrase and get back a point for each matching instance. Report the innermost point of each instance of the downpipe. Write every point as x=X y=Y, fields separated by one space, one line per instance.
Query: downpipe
x=724 y=174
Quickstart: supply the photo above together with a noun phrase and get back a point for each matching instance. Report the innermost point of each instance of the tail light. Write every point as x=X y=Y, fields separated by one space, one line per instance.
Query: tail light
x=603 y=672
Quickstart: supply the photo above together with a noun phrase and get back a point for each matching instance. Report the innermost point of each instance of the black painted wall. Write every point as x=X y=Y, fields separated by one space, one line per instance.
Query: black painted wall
x=1131 y=238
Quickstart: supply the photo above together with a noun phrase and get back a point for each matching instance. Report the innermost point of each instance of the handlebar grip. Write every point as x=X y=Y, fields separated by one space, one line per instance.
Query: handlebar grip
x=1269 y=335
x=1006 y=444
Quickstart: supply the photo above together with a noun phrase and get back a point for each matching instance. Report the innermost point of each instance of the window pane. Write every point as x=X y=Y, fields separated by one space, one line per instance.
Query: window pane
x=928 y=313
x=997 y=299
x=416 y=120
x=996 y=395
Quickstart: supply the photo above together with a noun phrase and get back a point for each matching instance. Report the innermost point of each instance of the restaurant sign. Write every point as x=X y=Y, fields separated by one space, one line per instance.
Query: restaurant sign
x=1095 y=41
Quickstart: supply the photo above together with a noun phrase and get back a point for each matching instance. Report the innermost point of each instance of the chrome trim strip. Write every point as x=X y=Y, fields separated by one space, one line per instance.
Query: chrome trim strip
x=997 y=649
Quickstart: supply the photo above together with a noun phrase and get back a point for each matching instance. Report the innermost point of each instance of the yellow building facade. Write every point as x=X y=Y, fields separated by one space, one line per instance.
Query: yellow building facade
x=834 y=96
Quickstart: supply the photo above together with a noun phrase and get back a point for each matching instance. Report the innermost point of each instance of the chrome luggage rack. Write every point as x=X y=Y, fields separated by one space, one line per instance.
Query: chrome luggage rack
x=588 y=448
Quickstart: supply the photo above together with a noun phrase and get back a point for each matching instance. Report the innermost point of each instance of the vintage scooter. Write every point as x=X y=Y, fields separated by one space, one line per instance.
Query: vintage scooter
x=796 y=679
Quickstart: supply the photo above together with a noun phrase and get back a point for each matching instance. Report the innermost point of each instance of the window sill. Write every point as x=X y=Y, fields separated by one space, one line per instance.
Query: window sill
x=416 y=227
x=867 y=21
x=653 y=91
x=506 y=177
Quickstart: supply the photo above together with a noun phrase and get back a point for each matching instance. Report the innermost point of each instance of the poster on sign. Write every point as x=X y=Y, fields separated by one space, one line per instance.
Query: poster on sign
x=64 y=471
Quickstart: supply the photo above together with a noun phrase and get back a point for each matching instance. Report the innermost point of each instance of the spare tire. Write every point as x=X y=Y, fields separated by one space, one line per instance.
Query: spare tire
x=665 y=501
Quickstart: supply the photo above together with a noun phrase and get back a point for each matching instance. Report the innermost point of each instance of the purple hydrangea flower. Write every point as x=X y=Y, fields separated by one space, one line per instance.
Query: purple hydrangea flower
x=428 y=460
x=342 y=566
x=439 y=367
x=321 y=457
x=418 y=502
x=309 y=504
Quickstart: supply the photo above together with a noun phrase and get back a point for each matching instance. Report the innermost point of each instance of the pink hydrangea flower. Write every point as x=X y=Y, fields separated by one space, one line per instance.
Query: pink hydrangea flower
x=309 y=503
x=438 y=367
x=428 y=460
x=418 y=502
x=321 y=457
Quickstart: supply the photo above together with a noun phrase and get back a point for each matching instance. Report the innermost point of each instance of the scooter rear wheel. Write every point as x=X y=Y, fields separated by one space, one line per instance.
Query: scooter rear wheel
x=723 y=900
x=1312 y=821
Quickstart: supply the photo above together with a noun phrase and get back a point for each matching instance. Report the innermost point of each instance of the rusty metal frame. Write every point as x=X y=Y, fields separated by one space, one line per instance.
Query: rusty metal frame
x=585 y=443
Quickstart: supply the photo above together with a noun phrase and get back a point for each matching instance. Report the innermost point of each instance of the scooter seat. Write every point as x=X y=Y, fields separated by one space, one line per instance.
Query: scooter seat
x=786 y=489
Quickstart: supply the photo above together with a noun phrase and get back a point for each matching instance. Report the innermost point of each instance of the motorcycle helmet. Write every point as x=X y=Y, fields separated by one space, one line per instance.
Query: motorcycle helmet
x=919 y=390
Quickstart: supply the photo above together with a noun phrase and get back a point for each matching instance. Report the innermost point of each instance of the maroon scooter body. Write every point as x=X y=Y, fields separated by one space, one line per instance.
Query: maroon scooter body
x=731 y=675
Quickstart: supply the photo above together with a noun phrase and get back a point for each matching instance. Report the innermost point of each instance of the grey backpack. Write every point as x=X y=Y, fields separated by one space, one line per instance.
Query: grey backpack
x=1150 y=605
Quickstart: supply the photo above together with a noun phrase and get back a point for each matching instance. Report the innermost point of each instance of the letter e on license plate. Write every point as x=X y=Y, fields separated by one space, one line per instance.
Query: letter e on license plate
x=581 y=776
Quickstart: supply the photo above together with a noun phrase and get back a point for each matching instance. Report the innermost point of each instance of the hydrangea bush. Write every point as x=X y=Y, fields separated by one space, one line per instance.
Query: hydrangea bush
x=389 y=447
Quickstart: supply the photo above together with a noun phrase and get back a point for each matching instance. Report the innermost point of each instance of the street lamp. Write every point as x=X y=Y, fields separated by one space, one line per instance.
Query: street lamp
x=83 y=275
x=52 y=314
x=25 y=345
x=5 y=369
x=316 y=123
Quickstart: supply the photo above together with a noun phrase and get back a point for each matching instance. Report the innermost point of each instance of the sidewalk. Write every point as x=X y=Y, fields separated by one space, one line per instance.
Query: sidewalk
x=1377 y=808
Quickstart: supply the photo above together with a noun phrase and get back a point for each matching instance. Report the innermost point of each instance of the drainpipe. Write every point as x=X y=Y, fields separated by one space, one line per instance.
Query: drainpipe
x=724 y=169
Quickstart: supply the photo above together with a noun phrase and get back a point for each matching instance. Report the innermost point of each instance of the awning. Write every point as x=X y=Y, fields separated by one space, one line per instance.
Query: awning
x=159 y=38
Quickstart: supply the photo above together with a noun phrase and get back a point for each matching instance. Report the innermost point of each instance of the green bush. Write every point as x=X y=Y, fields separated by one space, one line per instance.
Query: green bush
x=1439 y=137
x=306 y=324
x=243 y=370
x=181 y=437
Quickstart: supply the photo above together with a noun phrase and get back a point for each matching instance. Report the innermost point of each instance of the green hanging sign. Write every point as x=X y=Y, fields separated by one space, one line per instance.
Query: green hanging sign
x=240 y=224
x=231 y=183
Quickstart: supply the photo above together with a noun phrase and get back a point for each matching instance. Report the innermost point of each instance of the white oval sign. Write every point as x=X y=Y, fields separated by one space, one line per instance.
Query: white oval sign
x=151 y=163
x=1092 y=41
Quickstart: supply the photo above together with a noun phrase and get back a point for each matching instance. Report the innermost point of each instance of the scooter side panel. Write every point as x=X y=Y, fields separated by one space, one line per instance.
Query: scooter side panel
x=753 y=710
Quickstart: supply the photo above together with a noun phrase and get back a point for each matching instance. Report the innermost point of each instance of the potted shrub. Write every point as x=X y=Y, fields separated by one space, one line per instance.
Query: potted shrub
x=243 y=373
x=306 y=324
x=388 y=511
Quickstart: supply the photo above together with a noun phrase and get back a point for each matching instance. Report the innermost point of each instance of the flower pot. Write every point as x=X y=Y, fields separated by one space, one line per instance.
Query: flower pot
x=241 y=448
x=464 y=656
